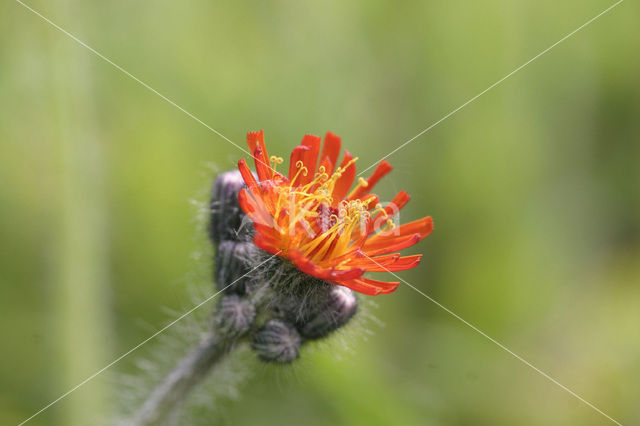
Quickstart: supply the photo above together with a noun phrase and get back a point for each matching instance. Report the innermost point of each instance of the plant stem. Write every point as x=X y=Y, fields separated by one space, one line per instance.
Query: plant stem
x=177 y=385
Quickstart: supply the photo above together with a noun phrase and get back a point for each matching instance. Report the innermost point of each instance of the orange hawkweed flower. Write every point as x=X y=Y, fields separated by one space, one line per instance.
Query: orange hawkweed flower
x=311 y=217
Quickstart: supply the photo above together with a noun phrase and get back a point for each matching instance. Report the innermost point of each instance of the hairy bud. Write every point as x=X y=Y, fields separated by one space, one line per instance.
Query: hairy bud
x=277 y=341
x=226 y=221
x=232 y=263
x=330 y=314
x=235 y=316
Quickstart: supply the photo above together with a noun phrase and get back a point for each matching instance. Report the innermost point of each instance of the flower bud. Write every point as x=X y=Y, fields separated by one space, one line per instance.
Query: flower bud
x=333 y=312
x=232 y=264
x=235 y=316
x=277 y=341
x=226 y=222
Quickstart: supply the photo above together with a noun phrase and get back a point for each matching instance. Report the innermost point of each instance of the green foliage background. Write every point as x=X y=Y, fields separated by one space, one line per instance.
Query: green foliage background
x=533 y=188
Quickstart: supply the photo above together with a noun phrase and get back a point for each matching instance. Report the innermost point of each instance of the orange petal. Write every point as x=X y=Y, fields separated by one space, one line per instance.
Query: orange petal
x=400 y=244
x=266 y=244
x=360 y=287
x=247 y=176
x=267 y=231
x=255 y=140
x=331 y=149
x=386 y=287
x=327 y=164
x=398 y=202
x=345 y=181
x=366 y=261
x=395 y=263
x=263 y=168
x=422 y=227
x=297 y=155
x=258 y=149
x=254 y=208
x=309 y=267
x=346 y=274
x=382 y=170
x=310 y=157
x=370 y=287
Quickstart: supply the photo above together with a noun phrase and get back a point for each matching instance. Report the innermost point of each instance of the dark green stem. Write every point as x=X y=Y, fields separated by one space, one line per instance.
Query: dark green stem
x=190 y=371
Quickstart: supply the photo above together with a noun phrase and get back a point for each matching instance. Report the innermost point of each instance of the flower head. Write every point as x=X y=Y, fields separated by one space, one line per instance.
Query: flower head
x=314 y=218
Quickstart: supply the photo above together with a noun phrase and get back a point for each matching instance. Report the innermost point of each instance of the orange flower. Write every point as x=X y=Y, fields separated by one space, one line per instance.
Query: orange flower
x=312 y=219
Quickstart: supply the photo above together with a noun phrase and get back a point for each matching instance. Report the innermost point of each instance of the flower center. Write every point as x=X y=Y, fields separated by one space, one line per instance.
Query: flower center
x=310 y=220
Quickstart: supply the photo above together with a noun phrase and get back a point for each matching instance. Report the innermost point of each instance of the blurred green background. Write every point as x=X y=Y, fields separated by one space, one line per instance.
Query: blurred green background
x=533 y=188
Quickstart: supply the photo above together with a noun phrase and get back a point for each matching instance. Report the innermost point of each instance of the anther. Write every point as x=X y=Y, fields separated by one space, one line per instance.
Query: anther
x=362 y=182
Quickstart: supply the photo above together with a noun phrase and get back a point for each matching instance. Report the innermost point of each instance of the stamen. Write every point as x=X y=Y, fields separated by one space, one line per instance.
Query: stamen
x=301 y=169
x=380 y=209
x=275 y=160
x=361 y=183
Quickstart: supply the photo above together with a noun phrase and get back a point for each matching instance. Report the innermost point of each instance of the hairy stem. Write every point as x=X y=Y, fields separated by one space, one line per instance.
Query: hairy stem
x=190 y=371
